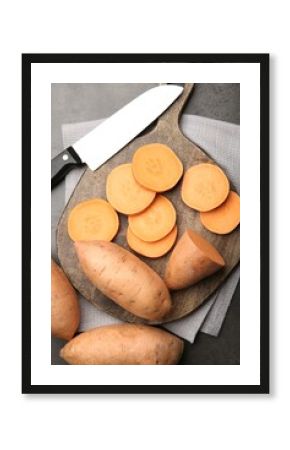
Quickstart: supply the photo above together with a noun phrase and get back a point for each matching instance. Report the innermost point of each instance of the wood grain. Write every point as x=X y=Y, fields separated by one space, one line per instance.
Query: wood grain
x=93 y=184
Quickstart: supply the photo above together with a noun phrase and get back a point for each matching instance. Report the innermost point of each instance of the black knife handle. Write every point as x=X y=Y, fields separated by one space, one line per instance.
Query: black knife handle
x=62 y=164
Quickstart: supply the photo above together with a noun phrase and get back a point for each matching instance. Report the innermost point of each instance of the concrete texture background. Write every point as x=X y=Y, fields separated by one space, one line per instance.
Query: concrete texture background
x=81 y=102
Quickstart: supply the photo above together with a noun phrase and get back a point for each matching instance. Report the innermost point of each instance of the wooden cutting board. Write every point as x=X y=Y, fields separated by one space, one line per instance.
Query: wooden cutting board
x=93 y=184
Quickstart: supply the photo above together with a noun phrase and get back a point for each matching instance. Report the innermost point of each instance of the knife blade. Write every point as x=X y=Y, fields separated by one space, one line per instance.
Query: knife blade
x=100 y=144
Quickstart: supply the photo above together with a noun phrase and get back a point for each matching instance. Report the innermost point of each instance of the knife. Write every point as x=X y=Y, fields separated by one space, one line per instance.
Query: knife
x=96 y=147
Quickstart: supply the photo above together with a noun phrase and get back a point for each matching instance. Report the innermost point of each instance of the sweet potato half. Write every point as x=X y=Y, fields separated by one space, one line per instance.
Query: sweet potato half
x=192 y=259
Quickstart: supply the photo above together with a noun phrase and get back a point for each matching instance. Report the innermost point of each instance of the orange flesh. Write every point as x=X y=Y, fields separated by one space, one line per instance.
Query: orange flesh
x=93 y=220
x=152 y=249
x=204 y=187
x=206 y=248
x=124 y=193
x=155 y=222
x=156 y=167
x=225 y=218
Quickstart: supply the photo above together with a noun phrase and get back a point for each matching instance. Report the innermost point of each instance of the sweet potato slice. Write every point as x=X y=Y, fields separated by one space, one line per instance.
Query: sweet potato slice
x=156 y=167
x=155 y=222
x=192 y=259
x=152 y=249
x=91 y=220
x=124 y=193
x=204 y=187
x=225 y=218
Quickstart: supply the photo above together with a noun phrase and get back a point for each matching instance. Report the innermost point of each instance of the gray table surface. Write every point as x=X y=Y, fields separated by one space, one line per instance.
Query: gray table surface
x=82 y=102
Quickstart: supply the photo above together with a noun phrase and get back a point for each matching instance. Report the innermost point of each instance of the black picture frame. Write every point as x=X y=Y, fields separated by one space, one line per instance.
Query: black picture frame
x=263 y=61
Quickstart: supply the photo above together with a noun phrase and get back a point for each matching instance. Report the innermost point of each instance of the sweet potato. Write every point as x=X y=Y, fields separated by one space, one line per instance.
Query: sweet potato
x=152 y=249
x=92 y=220
x=225 y=218
x=155 y=222
x=156 y=167
x=65 y=311
x=204 y=187
x=125 y=344
x=192 y=259
x=124 y=278
x=124 y=193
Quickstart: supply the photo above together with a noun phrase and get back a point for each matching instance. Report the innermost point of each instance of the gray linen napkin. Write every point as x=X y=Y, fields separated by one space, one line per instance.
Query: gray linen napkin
x=221 y=140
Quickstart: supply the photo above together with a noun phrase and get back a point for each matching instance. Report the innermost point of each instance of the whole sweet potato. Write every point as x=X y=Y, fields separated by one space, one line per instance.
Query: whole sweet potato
x=65 y=312
x=123 y=344
x=124 y=278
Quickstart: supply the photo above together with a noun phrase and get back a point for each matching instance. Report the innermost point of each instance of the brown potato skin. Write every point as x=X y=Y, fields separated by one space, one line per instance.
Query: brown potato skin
x=65 y=311
x=124 y=344
x=124 y=278
x=188 y=265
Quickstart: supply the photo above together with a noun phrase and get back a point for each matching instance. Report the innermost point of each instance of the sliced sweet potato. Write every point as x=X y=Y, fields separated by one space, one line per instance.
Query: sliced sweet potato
x=156 y=167
x=93 y=219
x=124 y=193
x=225 y=218
x=192 y=259
x=155 y=222
x=204 y=187
x=152 y=249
